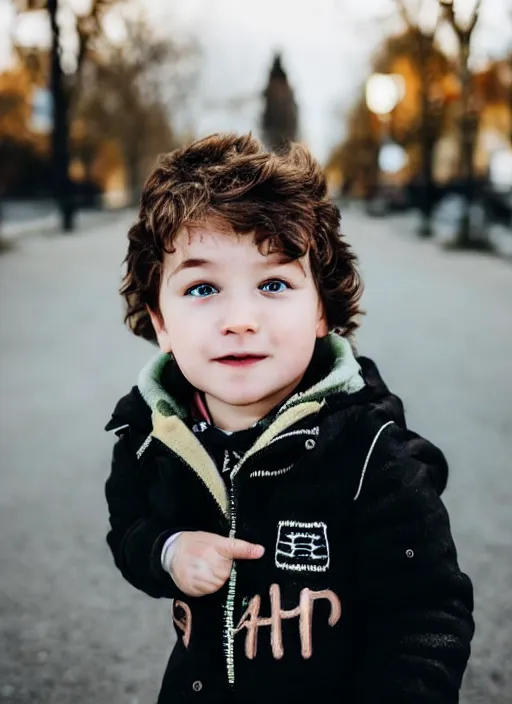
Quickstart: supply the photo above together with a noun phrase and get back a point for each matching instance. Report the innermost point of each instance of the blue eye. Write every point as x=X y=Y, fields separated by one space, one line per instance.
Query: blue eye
x=274 y=286
x=201 y=291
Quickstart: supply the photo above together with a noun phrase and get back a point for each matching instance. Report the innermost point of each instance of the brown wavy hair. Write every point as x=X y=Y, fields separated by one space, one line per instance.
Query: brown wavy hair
x=232 y=180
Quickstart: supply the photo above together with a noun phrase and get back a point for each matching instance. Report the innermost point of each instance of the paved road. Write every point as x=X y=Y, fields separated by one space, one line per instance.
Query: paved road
x=71 y=630
x=21 y=220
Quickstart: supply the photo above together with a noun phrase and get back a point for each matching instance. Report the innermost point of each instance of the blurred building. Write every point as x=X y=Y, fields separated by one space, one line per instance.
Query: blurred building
x=280 y=118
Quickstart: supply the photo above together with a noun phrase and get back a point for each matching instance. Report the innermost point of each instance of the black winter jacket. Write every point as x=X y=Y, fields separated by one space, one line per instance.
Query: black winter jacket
x=358 y=598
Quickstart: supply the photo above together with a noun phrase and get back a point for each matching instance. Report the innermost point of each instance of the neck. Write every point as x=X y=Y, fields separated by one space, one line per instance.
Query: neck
x=240 y=417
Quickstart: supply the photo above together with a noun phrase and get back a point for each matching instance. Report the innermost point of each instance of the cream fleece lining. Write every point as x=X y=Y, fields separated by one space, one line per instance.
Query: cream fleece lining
x=173 y=432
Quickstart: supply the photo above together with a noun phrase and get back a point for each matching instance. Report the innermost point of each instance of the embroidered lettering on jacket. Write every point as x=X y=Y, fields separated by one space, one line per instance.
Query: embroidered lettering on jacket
x=270 y=472
x=302 y=547
x=251 y=620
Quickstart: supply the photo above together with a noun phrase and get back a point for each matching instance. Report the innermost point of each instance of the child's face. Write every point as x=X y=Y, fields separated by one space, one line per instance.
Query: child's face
x=241 y=325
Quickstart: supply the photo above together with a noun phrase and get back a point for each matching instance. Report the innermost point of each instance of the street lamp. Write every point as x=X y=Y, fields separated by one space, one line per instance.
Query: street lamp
x=383 y=92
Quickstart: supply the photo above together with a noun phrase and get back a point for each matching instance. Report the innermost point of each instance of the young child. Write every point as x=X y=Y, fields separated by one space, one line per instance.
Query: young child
x=264 y=477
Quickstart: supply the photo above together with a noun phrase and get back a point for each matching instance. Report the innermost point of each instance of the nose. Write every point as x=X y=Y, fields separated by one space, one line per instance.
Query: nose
x=240 y=317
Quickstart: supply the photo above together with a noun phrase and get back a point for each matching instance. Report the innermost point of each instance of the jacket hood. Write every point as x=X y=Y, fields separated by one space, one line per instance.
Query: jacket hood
x=377 y=394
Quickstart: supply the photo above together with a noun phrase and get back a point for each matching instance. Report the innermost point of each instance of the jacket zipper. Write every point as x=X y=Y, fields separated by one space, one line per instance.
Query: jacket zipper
x=229 y=608
x=229 y=627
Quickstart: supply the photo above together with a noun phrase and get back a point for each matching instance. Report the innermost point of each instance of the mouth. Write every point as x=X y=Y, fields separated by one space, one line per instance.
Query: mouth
x=240 y=360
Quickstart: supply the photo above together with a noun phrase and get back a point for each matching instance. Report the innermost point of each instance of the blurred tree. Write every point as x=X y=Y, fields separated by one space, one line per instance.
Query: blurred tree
x=356 y=157
x=468 y=120
x=492 y=88
x=431 y=66
x=23 y=166
x=15 y=106
x=509 y=82
x=415 y=123
x=129 y=90
x=63 y=84
x=15 y=137
x=279 y=122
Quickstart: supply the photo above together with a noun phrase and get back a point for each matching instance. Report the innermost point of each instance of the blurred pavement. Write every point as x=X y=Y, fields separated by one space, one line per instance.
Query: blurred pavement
x=34 y=218
x=71 y=630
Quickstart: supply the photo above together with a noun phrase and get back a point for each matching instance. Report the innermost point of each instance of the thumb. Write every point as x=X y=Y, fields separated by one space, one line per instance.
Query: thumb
x=235 y=549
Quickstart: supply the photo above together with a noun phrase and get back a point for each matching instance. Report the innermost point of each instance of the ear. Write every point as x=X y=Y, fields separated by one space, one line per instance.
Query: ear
x=162 y=334
x=322 y=328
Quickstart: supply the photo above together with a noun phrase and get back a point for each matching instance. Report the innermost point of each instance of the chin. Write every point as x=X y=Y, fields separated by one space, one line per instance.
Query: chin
x=244 y=398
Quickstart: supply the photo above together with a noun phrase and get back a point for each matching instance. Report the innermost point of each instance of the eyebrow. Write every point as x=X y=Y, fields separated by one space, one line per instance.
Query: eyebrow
x=195 y=263
x=189 y=264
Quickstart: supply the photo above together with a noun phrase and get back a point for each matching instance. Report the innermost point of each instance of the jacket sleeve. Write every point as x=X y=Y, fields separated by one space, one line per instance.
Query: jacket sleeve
x=414 y=603
x=136 y=536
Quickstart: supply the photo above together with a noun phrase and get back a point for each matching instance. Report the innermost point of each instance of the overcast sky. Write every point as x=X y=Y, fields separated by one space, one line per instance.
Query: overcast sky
x=326 y=47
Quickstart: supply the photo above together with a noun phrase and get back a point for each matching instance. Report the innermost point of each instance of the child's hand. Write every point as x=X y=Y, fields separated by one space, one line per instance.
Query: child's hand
x=200 y=563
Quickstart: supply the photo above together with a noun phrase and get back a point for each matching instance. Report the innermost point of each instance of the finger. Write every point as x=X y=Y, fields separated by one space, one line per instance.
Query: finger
x=235 y=549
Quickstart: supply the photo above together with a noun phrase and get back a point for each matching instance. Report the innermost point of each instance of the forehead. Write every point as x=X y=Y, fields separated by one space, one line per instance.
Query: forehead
x=200 y=238
x=217 y=244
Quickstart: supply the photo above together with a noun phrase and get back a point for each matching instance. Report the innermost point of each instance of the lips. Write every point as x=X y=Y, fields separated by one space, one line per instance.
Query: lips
x=240 y=359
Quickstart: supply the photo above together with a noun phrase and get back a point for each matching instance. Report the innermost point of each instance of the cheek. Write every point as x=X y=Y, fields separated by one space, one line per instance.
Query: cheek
x=190 y=356
x=298 y=319
x=187 y=335
x=295 y=338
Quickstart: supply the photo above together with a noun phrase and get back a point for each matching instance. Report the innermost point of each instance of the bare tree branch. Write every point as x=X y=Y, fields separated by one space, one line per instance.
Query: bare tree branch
x=438 y=22
x=412 y=25
x=449 y=15
x=474 y=16
x=404 y=14
x=89 y=26
x=463 y=33
x=132 y=92
x=468 y=118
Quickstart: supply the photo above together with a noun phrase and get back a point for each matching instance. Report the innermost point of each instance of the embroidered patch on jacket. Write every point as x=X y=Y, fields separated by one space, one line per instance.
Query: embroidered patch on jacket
x=302 y=547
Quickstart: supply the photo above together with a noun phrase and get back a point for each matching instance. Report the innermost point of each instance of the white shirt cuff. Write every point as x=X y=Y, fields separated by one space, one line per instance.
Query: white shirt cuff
x=167 y=550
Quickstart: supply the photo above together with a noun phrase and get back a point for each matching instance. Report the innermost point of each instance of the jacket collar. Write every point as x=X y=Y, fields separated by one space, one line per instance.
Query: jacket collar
x=335 y=354
x=169 y=410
